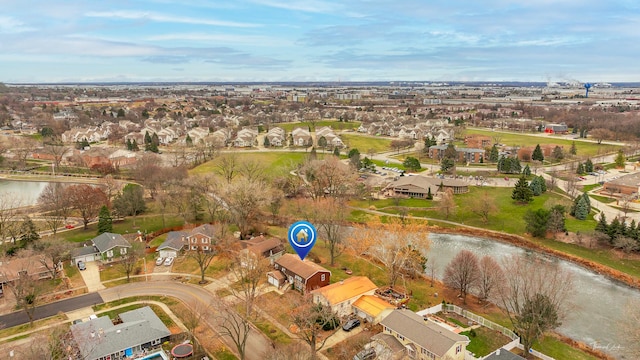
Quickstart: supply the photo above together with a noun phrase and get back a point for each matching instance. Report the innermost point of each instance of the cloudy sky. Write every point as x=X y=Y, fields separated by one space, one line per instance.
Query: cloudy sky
x=319 y=40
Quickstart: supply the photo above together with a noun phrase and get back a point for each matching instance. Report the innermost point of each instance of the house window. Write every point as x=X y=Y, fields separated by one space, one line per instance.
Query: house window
x=205 y=248
x=155 y=342
x=110 y=253
x=411 y=352
x=194 y=248
x=123 y=251
x=205 y=241
x=322 y=277
x=400 y=337
x=193 y=240
x=458 y=349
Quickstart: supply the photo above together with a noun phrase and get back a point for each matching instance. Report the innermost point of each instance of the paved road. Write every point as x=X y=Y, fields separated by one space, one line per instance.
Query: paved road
x=257 y=343
x=44 y=311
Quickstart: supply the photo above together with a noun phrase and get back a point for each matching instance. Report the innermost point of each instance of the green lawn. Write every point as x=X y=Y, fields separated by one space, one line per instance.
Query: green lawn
x=485 y=341
x=334 y=124
x=557 y=349
x=365 y=143
x=275 y=163
x=520 y=139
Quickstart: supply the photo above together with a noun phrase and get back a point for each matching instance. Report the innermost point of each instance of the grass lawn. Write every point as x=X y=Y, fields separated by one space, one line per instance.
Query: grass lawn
x=555 y=348
x=276 y=163
x=485 y=341
x=604 y=199
x=521 y=140
x=271 y=331
x=365 y=143
x=335 y=124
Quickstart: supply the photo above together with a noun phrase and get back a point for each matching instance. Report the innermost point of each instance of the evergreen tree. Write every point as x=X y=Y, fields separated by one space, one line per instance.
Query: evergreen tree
x=155 y=140
x=266 y=143
x=105 y=221
x=526 y=171
x=613 y=230
x=129 y=144
x=588 y=166
x=573 y=150
x=580 y=169
x=515 y=167
x=632 y=230
x=493 y=154
x=620 y=159
x=147 y=138
x=447 y=165
x=558 y=153
x=429 y=195
x=411 y=163
x=121 y=113
x=537 y=154
x=581 y=211
x=134 y=145
x=587 y=201
x=535 y=186
x=450 y=152
x=537 y=222
x=336 y=151
x=522 y=192
x=28 y=231
x=602 y=225
x=189 y=141
x=543 y=183
x=556 y=221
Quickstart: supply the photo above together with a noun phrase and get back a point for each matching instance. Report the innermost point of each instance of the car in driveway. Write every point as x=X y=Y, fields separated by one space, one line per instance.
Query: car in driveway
x=351 y=324
x=69 y=226
x=82 y=265
x=168 y=261
x=159 y=261
x=365 y=354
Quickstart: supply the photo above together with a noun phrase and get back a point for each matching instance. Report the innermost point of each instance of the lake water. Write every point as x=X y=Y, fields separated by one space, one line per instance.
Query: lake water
x=598 y=302
x=21 y=193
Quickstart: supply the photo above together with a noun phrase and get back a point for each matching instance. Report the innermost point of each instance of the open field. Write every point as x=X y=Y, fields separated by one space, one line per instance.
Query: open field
x=276 y=163
x=333 y=123
x=525 y=140
x=366 y=143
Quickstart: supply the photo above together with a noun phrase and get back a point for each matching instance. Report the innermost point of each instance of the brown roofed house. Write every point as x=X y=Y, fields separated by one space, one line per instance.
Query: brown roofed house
x=267 y=247
x=304 y=275
x=341 y=295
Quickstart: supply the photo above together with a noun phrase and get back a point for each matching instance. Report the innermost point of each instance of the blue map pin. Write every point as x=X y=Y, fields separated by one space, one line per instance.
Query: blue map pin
x=302 y=236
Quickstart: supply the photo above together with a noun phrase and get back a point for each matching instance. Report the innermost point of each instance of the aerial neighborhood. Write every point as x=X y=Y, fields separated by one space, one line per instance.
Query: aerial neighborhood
x=155 y=222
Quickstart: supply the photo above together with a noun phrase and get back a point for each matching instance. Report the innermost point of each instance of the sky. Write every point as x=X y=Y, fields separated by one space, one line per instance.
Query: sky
x=319 y=40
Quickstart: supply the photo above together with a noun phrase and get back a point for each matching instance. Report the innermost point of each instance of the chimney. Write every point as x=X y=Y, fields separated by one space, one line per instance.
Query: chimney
x=498 y=352
x=93 y=334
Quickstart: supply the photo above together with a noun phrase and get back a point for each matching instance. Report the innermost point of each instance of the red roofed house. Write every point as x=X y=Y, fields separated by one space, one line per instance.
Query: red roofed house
x=303 y=275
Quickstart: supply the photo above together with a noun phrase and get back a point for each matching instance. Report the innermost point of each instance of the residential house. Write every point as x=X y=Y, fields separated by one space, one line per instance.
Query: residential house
x=276 y=136
x=138 y=331
x=372 y=308
x=503 y=354
x=341 y=295
x=173 y=244
x=301 y=137
x=201 y=238
x=245 y=138
x=424 y=339
x=332 y=140
x=465 y=155
x=386 y=347
x=266 y=247
x=221 y=137
x=197 y=134
x=35 y=266
x=105 y=246
x=303 y=275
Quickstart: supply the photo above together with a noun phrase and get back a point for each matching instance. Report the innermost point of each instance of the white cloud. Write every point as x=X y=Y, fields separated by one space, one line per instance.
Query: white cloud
x=144 y=15
x=305 y=6
x=257 y=40
x=9 y=25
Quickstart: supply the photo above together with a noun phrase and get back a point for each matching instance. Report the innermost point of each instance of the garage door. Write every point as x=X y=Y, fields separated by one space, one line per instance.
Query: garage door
x=85 y=258
x=167 y=253
x=273 y=281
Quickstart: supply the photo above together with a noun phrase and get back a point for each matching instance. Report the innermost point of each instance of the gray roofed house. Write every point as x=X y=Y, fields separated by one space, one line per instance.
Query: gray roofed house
x=418 y=186
x=105 y=246
x=174 y=242
x=424 y=339
x=140 y=330
x=503 y=354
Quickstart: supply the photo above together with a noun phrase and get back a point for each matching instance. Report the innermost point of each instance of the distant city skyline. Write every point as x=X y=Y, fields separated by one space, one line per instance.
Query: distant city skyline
x=319 y=40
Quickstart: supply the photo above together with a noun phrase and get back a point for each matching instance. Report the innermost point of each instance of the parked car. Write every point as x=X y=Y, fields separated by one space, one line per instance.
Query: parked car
x=159 y=261
x=69 y=226
x=168 y=261
x=82 y=265
x=351 y=324
x=77 y=321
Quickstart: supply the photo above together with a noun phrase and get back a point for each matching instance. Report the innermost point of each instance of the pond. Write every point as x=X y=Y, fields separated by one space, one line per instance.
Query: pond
x=20 y=193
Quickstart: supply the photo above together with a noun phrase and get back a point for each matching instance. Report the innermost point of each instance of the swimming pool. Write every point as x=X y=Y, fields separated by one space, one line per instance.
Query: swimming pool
x=160 y=355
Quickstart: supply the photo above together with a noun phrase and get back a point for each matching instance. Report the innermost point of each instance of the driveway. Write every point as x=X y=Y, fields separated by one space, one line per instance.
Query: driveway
x=91 y=277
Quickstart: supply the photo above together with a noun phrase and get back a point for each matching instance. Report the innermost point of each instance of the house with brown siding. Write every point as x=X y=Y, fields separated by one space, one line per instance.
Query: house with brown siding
x=303 y=275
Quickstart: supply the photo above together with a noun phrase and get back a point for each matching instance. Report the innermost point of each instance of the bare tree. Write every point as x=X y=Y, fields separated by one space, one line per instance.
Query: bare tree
x=23 y=147
x=327 y=177
x=232 y=325
x=483 y=206
x=601 y=134
x=310 y=319
x=53 y=252
x=398 y=246
x=625 y=205
x=244 y=200
x=129 y=261
x=447 y=204
x=535 y=297
x=490 y=277
x=111 y=186
x=294 y=351
x=252 y=170
x=23 y=283
x=57 y=151
x=249 y=269
x=192 y=315
x=432 y=268
x=87 y=200
x=330 y=215
x=203 y=258
x=276 y=199
x=54 y=201
x=9 y=204
x=462 y=273
x=228 y=167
